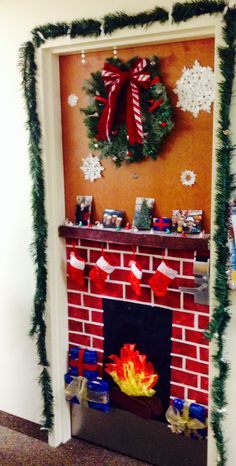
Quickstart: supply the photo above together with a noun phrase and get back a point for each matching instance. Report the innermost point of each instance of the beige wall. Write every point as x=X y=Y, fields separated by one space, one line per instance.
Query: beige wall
x=19 y=391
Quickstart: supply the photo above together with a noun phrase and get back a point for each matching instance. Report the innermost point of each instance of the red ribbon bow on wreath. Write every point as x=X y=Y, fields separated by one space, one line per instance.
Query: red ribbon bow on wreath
x=114 y=79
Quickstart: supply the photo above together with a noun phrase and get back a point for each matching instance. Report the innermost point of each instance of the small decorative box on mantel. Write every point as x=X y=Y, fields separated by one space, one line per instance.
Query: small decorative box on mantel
x=161 y=223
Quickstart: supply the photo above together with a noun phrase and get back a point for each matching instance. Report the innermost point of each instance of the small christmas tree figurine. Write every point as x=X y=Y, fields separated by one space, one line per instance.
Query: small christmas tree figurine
x=144 y=217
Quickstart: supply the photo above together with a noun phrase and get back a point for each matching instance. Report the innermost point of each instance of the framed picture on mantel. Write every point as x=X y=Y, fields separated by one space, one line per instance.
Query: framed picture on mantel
x=83 y=210
x=112 y=218
x=189 y=221
x=143 y=212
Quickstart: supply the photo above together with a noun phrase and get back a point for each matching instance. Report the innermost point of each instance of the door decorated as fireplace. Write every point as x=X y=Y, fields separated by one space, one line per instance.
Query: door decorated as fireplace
x=151 y=351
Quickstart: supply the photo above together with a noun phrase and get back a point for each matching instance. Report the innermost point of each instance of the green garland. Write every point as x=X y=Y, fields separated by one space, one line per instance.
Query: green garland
x=156 y=124
x=116 y=21
x=225 y=185
x=187 y=10
x=39 y=246
x=83 y=28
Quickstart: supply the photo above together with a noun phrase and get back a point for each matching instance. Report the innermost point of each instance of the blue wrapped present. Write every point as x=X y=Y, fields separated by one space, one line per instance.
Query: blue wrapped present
x=187 y=418
x=196 y=411
x=161 y=223
x=98 y=395
x=83 y=362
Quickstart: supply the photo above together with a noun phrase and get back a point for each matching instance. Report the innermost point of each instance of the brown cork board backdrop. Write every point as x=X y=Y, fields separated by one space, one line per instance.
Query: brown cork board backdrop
x=189 y=146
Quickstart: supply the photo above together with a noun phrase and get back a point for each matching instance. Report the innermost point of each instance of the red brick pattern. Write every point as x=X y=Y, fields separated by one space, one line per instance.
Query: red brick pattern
x=190 y=352
x=183 y=377
x=177 y=391
x=177 y=361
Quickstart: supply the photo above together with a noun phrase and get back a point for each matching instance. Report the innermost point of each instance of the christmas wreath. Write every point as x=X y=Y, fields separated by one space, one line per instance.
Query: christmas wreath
x=129 y=113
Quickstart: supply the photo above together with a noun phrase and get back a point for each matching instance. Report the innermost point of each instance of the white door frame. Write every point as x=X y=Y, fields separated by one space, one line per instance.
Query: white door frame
x=50 y=117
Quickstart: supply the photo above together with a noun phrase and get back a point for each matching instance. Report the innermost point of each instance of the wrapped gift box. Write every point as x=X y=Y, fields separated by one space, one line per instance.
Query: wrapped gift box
x=68 y=380
x=161 y=223
x=83 y=362
x=195 y=412
x=75 y=388
x=98 y=395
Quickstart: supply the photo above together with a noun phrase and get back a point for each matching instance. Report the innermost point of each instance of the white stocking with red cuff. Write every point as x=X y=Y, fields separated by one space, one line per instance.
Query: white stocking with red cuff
x=135 y=276
x=75 y=269
x=100 y=272
x=161 y=279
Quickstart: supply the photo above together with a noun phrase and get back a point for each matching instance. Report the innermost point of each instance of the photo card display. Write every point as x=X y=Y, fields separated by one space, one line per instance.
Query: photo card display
x=143 y=212
x=83 y=210
x=112 y=218
x=188 y=221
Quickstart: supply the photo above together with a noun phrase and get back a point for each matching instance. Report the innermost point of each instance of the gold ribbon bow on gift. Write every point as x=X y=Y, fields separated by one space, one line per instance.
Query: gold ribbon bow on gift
x=183 y=423
x=77 y=387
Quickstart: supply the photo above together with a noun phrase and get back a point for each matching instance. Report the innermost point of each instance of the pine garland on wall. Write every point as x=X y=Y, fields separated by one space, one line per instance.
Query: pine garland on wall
x=225 y=188
x=116 y=21
x=39 y=246
x=187 y=10
x=225 y=184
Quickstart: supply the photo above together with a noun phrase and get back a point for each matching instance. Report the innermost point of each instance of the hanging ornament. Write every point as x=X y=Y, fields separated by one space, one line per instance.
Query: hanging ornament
x=92 y=168
x=188 y=177
x=83 y=59
x=195 y=89
x=227 y=132
x=115 y=52
x=72 y=100
x=134 y=111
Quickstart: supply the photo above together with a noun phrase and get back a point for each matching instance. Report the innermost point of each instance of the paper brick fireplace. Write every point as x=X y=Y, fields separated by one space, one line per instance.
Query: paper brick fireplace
x=189 y=353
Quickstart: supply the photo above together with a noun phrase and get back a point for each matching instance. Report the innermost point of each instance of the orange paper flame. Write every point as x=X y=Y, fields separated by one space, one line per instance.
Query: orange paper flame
x=132 y=373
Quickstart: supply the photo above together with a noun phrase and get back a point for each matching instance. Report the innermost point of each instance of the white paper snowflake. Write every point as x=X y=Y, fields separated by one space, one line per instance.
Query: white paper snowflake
x=188 y=178
x=195 y=89
x=72 y=100
x=92 y=168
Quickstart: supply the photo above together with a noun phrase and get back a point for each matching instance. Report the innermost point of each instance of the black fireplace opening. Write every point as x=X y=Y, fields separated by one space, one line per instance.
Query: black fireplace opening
x=149 y=328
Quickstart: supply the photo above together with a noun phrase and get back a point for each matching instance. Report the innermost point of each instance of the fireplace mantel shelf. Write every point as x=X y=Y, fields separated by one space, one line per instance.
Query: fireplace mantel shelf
x=141 y=238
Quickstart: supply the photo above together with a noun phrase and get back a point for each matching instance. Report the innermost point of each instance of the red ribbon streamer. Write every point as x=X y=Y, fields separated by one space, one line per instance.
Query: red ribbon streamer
x=82 y=367
x=100 y=99
x=155 y=81
x=81 y=361
x=155 y=104
x=114 y=79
